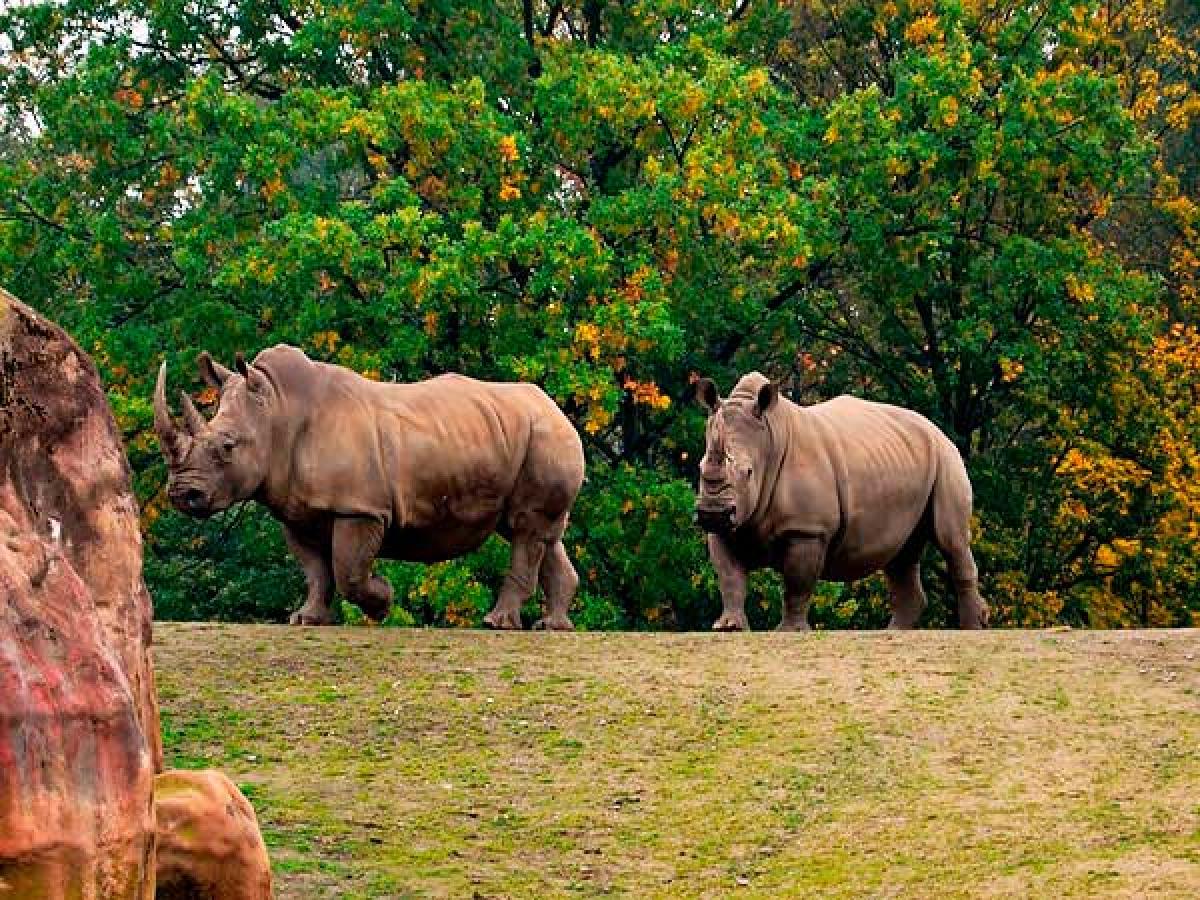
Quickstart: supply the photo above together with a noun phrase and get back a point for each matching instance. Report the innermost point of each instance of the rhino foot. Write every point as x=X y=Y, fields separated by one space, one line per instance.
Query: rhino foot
x=503 y=620
x=554 y=623
x=306 y=616
x=731 y=622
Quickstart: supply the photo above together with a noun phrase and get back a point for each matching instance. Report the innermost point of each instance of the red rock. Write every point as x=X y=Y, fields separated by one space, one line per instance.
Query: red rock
x=209 y=844
x=63 y=466
x=76 y=779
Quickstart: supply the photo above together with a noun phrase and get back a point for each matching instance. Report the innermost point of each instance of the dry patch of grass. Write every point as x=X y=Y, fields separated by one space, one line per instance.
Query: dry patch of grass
x=396 y=763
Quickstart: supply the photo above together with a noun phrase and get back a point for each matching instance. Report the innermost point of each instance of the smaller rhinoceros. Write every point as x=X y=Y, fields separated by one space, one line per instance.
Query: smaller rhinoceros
x=834 y=491
x=355 y=469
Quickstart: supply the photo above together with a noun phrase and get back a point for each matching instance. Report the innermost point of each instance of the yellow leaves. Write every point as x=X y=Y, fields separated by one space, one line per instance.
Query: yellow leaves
x=948 y=111
x=1079 y=291
x=431 y=323
x=507 y=149
x=832 y=134
x=598 y=417
x=921 y=30
x=897 y=167
x=326 y=341
x=693 y=100
x=756 y=81
x=509 y=191
x=272 y=188
x=587 y=336
x=1010 y=369
x=627 y=507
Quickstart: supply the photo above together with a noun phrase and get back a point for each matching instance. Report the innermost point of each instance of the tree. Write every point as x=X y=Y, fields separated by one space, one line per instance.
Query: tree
x=953 y=206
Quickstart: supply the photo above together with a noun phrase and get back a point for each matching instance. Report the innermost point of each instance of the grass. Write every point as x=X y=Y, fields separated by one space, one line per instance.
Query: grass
x=407 y=763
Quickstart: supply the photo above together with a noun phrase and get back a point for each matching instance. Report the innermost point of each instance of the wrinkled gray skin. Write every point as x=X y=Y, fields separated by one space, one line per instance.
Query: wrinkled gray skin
x=835 y=491
x=355 y=469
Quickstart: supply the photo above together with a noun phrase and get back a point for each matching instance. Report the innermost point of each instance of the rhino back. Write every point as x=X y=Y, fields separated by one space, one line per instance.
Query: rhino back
x=449 y=449
x=861 y=474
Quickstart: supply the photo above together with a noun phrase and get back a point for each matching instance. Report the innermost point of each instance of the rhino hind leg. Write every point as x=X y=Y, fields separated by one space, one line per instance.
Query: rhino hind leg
x=356 y=543
x=907 y=596
x=952 y=534
x=559 y=582
x=519 y=583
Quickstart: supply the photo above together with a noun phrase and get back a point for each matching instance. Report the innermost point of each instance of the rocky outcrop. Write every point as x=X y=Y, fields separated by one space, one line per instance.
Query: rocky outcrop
x=79 y=739
x=64 y=477
x=79 y=729
x=76 y=774
x=209 y=844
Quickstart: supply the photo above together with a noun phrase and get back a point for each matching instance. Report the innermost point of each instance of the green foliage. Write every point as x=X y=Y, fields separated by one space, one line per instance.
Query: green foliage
x=933 y=203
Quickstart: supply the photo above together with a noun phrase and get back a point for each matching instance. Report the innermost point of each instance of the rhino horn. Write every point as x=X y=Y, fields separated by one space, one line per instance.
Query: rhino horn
x=170 y=436
x=191 y=416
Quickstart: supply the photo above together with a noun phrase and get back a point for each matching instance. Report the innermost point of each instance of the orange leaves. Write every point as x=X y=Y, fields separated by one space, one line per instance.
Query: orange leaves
x=509 y=191
x=921 y=30
x=507 y=149
x=647 y=393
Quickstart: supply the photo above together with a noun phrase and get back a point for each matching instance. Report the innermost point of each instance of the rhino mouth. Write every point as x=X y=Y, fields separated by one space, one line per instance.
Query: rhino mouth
x=715 y=518
x=193 y=502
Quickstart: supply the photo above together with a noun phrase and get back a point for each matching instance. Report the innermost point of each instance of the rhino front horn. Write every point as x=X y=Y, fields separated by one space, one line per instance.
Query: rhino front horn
x=170 y=436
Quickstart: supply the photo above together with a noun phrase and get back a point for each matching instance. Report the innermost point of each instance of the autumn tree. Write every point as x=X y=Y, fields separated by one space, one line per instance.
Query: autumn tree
x=981 y=211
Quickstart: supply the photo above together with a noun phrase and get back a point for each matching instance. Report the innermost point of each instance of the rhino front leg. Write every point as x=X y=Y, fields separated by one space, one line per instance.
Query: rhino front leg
x=356 y=543
x=731 y=578
x=802 y=564
x=522 y=578
x=318 y=573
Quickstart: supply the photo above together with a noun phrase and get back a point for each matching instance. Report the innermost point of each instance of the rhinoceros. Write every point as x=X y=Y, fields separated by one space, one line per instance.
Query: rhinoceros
x=356 y=469
x=835 y=491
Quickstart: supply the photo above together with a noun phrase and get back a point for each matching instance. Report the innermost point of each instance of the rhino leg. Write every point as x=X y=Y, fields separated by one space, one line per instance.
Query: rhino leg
x=907 y=594
x=802 y=564
x=731 y=578
x=522 y=577
x=356 y=543
x=559 y=583
x=318 y=573
x=952 y=534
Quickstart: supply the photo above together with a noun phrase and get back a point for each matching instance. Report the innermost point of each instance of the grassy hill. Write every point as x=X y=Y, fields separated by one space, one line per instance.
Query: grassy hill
x=398 y=763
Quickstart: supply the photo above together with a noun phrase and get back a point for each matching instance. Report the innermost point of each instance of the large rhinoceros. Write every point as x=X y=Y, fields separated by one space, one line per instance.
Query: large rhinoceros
x=355 y=469
x=835 y=491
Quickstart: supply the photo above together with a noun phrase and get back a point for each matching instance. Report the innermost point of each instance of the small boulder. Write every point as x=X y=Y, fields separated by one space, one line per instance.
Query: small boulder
x=209 y=845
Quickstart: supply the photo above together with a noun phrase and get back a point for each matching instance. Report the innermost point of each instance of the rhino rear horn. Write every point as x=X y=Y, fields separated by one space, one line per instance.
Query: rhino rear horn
x=213 y=373
x=191 y=416
x=170 y=436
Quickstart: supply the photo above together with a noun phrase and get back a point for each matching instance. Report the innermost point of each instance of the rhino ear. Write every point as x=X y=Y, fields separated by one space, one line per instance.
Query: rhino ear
x=767 y=395
x=706 y=394
x=214 y=374
x=254 y=378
